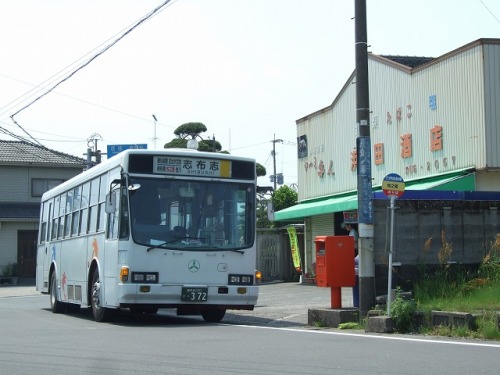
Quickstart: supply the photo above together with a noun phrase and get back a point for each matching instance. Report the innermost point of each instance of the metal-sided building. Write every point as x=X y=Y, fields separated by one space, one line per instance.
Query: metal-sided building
x=433 y=121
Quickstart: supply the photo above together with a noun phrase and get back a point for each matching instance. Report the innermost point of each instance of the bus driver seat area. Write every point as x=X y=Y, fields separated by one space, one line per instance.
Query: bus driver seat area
x=179 y=232
x=145 y=207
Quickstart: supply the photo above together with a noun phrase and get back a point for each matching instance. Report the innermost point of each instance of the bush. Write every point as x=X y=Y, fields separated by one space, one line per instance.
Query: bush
x=403 y=313
x=10 y=270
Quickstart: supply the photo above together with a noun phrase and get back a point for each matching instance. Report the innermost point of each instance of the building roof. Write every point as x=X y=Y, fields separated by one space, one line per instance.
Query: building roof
x=25 y=153
x=19 y=211
x=407 y=64
x=409 y=61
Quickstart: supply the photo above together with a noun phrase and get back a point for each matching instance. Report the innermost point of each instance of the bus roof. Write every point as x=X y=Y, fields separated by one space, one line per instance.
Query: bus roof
x=121 y=158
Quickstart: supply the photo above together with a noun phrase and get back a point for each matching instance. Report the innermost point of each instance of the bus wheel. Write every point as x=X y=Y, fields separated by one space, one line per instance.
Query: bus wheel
x=213 y=315
x=55 y=305
x=101 y=314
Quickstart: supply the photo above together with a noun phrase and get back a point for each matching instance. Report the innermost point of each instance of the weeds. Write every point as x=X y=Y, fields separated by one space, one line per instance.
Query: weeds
x=457 y=289
x=350 y=325
x=402 y=313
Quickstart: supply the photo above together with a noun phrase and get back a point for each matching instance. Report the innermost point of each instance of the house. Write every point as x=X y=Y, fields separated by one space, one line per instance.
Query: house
x=27 y=170
x=433 y=121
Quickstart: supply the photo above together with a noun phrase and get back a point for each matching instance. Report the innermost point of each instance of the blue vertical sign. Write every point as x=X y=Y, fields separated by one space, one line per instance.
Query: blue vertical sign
x=365 y=211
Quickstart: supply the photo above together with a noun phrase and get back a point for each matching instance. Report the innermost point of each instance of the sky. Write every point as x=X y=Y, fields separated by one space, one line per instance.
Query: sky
x=247 y=69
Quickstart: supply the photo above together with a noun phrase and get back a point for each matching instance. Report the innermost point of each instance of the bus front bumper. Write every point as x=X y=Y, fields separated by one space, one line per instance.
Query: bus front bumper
x=242 y=297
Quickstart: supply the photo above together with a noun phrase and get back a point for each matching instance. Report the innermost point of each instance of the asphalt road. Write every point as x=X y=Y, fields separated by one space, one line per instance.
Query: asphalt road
x=279 y=304
x=272 y=339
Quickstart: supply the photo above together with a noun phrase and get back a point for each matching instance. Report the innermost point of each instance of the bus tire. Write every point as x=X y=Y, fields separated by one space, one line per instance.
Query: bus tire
x=100 y=313
x=55 y=305
x=213 y=315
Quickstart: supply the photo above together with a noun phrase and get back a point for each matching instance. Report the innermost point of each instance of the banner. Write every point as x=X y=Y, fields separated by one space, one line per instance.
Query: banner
x=294 y=246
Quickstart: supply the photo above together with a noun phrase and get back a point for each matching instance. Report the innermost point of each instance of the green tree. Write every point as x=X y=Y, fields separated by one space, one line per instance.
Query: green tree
x=284 y=197
x=261 y=170
x=192 y=130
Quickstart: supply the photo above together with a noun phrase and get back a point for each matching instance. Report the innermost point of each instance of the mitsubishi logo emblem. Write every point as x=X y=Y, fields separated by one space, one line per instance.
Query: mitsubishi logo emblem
x=194 y=265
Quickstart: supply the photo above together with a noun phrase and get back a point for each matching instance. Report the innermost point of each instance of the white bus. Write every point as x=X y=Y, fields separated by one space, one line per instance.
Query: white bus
x=147 y=230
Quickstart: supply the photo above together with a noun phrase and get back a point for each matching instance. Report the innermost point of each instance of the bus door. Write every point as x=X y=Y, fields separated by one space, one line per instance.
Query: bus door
x=44 y=252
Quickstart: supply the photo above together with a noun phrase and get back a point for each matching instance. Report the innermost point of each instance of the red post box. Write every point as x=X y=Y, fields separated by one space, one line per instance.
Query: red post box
x=335 y=264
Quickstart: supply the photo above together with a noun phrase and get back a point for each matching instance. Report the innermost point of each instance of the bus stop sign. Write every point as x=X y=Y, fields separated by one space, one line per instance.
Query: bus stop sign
x=393 y=185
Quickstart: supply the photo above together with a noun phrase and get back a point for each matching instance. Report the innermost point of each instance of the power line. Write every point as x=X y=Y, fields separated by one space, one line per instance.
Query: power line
x=86 y=63
x=89 y=103
x=82 y=66
x=488 y=9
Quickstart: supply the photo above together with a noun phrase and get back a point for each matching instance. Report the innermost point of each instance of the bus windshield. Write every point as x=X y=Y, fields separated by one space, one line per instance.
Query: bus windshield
x=181 y=214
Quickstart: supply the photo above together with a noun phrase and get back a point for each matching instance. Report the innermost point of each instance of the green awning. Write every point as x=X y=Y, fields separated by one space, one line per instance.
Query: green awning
x=319 y=207
x=457 y=181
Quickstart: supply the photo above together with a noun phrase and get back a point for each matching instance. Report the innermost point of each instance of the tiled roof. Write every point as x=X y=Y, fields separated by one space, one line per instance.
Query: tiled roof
x=410 y=61
x=19 y=210
x=22 y=153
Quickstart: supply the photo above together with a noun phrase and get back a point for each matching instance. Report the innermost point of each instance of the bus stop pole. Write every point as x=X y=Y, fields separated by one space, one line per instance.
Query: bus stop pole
x=389 y=271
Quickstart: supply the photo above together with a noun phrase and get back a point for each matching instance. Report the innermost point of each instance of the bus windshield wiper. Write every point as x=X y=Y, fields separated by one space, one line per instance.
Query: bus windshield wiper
x=159 y=246
x=180 y=240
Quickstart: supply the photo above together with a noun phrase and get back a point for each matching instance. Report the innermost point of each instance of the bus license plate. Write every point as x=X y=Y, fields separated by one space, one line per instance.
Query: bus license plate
x=194 y=294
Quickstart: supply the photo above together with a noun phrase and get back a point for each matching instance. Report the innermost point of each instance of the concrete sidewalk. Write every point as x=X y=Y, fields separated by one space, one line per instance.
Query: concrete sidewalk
x=288 y=304
x=17 y=291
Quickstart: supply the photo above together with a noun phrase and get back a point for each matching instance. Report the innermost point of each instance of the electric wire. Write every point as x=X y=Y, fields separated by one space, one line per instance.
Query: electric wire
x=121 y=34
x=488 y=9
x=95 y=56
x=90 y=103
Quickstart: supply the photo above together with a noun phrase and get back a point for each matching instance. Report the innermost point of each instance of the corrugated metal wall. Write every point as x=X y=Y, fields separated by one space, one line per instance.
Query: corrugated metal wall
x=322 y=225
x=492 y=104
x=400 y=104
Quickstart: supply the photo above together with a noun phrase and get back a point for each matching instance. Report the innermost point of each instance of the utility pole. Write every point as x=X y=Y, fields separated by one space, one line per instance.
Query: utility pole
x=364 y=171
x=154 y=133
x=275 y=177
x=92 y=150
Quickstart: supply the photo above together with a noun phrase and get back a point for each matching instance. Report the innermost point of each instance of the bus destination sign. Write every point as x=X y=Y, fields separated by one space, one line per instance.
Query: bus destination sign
x=184 y=166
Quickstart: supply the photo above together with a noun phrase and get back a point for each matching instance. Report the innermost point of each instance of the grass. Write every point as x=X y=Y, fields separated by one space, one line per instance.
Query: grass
x=483 y=302
x=460 y=290
x=486 y=298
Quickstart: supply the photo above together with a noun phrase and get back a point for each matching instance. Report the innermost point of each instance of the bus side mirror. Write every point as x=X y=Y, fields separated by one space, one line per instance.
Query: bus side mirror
x=110 y=205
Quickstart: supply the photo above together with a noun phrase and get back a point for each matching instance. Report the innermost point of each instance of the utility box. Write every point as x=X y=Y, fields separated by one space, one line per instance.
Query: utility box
x=335 y=261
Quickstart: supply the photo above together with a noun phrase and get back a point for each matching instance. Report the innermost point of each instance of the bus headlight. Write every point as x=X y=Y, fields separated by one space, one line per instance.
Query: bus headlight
x=145 y=277
x=240 y=279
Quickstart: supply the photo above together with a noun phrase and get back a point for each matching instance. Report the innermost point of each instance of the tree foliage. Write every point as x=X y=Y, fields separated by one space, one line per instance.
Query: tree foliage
x=284 y=197
x=193 y=130
x=176 y=143
x=190 y=129
x=261 y=170
x=209 y=145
